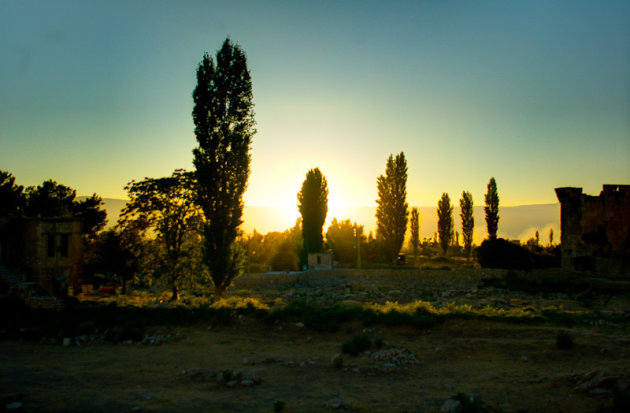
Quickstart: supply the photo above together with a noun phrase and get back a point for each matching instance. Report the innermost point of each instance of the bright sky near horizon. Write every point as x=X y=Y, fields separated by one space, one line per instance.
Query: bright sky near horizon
x=535 y=93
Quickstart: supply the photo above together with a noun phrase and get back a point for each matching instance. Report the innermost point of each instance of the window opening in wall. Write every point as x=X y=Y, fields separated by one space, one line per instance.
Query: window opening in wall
x=64 y=245
x=51 y=245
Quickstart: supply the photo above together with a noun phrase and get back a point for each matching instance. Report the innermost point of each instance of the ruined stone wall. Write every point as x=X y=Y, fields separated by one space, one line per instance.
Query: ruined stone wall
x=59 y=250
x=596 y=229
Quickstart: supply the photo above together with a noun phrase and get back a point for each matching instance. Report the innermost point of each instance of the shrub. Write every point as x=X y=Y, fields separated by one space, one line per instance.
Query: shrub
x=501 y=253
x=564 y=340
x=469 y=404
x=356 y=345
x=278 y=405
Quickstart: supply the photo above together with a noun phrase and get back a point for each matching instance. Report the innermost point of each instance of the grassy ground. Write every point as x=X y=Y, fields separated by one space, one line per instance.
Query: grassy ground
x=510 y=364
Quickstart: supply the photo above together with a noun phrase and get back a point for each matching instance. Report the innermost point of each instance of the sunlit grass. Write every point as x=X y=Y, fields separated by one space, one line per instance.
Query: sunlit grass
x=450 y=309
x=240 y=303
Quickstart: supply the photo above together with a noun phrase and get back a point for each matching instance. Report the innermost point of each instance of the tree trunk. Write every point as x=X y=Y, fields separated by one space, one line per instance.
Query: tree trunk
x=175 y=293
x=124 y=286
x=219 y=290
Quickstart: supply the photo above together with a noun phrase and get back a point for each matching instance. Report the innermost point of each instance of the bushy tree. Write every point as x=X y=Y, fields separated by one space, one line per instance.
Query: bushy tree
x=12 y=199
x=112 y=254
x=90 y=211
x=50 y=199
x=167 y=207
x=492 y=209
x=344 y=239
x=223 y=114
x=414 y=225
x=468 y=221
x=313 y=206
x=445 y=222
x=391 y=210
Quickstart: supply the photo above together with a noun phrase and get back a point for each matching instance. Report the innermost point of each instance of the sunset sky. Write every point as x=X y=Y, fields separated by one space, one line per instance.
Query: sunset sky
x=534 y=93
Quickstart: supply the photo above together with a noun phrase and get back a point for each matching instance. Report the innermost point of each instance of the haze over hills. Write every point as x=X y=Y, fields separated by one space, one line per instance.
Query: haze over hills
x=516 y=222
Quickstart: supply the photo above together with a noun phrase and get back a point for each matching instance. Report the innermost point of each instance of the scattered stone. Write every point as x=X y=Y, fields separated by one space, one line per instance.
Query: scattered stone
x=524 y=359
x=336 y=359
x=596 y=381
x=451 y=406
x=389 y=368
x=246 y=361
x=290 y=364
x=336 y=404
x=396 y=356
x=67 y=341
x=269 y=360
x=13 y=406
x=247 y=383
x=136 y=408
x=231 y=384
x=309 y=339
x=299 y=324
x=199 y=375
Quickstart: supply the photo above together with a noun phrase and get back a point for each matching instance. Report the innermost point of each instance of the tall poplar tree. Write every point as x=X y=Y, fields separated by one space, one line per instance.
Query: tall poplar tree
x=468 y=221
x=391 y=212
x=414 y=227
x=445 y=222
x=313 y=206
x=492 y=209
x=223 y=114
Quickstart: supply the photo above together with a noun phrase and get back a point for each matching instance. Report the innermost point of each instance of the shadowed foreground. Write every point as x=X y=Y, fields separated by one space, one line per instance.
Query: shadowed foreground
x=252 y=366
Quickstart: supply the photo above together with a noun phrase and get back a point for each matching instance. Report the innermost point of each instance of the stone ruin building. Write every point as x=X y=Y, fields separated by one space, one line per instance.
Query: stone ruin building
x=595 y=230
x=41 y=252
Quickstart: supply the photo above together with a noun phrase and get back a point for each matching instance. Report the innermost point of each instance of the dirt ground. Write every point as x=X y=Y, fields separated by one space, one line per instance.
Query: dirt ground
x=507 y=366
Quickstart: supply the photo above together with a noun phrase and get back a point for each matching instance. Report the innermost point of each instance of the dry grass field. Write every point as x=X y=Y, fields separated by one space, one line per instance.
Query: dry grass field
x=498 y=363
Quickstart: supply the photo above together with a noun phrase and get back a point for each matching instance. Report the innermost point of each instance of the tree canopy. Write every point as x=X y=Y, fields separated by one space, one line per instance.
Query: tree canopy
x=224 y=126
x=492 y=209
x=414 y=226
x=344 y=239
x=445 y=222
x=468 y=221
x=391 y=210
x=167 y=206
x=12 y=199
x=313 y=206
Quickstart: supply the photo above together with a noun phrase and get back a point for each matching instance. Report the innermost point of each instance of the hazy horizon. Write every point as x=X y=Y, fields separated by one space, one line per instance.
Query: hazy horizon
x=516 y=222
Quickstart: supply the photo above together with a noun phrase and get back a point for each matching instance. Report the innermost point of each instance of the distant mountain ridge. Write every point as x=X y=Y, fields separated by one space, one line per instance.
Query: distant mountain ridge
x=515 y=222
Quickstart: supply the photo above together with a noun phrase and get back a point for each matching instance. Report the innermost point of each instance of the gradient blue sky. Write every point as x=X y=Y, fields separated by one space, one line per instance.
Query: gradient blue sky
x=534 y=93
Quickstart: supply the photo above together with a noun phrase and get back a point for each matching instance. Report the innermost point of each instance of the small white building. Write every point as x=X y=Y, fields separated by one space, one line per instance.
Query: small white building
x=320 y=261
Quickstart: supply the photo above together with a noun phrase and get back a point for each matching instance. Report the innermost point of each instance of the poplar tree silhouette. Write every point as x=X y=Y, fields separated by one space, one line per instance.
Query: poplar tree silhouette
x=468 y=221
x=391 y=212
x=492 y=209
x=313 y=206
x=224 y=126
x=445 y=222
x=414 y=226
